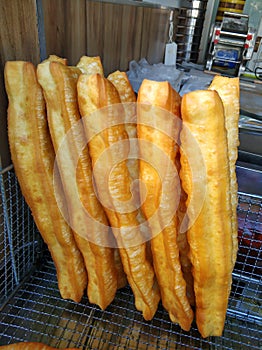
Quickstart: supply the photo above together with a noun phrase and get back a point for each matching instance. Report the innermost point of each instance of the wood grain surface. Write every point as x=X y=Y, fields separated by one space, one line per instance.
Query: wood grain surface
x=121 y=33
x=117 y=33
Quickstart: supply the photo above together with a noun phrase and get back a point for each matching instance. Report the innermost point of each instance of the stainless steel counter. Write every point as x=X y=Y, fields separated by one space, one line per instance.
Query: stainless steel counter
x=250 y=123
x=249 y=178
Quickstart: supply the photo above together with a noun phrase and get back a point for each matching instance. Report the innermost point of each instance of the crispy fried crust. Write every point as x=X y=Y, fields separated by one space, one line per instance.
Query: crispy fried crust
x=183 y=245
x=93 y=65
x=92 y=234
x=94 y=93
x=54 y=58
x=127 y=97
x=33 y=158
x=122 y=84
x=151 y=123
x=30 y=346
x=228 y=90
x=210 y=235
x=90 y=65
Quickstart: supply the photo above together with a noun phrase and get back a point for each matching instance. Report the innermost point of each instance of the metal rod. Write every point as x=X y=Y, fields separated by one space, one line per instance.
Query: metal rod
x=245 y=278
x=41 y=29
x=6 y=169
x=257 y=196
x=244 y=316
x=8 y=228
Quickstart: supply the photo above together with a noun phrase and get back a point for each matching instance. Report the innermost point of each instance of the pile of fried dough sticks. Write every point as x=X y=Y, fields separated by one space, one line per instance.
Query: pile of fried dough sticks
x=125 y=188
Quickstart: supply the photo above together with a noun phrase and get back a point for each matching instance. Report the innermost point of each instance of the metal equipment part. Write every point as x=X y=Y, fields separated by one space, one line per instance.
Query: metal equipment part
x=232 y=44
x=189 y=30
x=250 y=123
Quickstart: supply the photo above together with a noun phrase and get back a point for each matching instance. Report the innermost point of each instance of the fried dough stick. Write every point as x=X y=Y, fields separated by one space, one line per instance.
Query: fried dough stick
x=30 y=346
x=228 y=90
x=159 y=110
x=33 y=157
x=128 y=97
x=92 y=235
x=182 y=241
x=92 y=65
x=209 y=233
x=94 y=93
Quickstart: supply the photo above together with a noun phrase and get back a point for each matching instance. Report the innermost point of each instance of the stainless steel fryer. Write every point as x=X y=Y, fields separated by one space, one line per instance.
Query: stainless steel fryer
x=32 y=309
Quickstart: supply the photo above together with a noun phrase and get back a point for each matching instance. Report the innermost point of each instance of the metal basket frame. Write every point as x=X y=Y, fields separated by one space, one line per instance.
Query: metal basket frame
x=32 y=309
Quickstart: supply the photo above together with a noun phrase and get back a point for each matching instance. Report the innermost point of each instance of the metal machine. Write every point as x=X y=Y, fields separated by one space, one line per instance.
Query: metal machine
x=232 y=44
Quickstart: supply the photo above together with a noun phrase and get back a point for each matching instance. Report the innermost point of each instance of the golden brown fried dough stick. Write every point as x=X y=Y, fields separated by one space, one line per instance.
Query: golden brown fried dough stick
x=93 y=65
x=209 y=233
x=228 y=90
x=54 y=58
x=183 y=246
x=33 y=158
x=92 y=234
x=122 y=84
x=95 y=93
x=159 y=110
x=90 y=65
x=128 y=98
x=127 y=95
x=30 y=346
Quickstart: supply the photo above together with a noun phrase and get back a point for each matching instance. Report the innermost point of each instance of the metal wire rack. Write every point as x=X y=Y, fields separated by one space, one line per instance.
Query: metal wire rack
x=36 y=312
x=19 y=238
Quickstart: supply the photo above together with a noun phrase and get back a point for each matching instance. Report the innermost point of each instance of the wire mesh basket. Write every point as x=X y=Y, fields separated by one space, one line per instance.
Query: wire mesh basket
x=19 y=238
x=32 y=309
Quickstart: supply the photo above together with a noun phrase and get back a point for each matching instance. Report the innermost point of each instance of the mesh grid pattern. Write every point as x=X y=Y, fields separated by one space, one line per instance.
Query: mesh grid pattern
x=19 y=238
x=36 y=311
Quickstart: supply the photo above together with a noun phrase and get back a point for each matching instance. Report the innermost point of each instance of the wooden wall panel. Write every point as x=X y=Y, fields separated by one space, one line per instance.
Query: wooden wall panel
x=18 y=30
x=65 y=29
x=54 y=24
x=94 y=26
x=117 y=33
x=18 y=41
x=75 y=26
x=154 y=34
x=121 y=33
x=112 y=32
x=131 y=35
